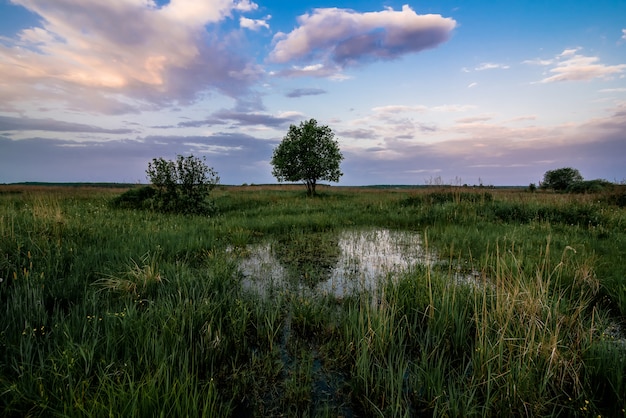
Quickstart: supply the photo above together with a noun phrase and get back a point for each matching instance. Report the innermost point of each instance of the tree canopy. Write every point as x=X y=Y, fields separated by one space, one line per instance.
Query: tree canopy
x=308 y=153
x=561 y=178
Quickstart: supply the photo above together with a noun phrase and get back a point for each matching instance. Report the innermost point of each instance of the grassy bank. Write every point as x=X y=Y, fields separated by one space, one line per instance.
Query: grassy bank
x=133 y=313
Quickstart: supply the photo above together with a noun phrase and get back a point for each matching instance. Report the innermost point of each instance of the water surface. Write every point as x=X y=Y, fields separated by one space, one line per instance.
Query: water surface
x=338 y=263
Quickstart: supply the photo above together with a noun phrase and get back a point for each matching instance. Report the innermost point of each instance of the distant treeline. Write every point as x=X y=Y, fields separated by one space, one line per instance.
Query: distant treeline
x=80 y=184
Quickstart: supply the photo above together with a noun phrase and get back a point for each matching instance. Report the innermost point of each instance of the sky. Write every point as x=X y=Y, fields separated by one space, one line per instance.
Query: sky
x=423 y=92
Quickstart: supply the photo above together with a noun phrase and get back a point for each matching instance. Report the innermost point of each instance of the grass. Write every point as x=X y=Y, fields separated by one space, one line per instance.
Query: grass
x=135 y=313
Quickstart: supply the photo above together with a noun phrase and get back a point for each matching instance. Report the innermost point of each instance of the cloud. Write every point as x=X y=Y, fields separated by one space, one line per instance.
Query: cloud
x=474 y=119
x=200 y=123
x=233 y=155
x=480 y=146
x=8 y=123
x=330 y=71
x=491 y=66
x=472 y=85
x=246 y=6
x=454 y=108
x=255 y=118
x=97 y=55
x=358 y=133
x=624 y=34
x=305 y=92
x=394 y=109
x=476 y=148
x=254 y=24
x=615 y=90
x=572 y=66
x=523 y=118
x=342 y=37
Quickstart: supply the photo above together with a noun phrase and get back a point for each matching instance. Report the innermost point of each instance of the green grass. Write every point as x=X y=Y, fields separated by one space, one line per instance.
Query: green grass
x=133 y=313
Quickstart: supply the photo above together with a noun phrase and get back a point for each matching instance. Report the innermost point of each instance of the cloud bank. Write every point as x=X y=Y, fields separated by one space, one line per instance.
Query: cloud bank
x=8 y=123
x=124 y=55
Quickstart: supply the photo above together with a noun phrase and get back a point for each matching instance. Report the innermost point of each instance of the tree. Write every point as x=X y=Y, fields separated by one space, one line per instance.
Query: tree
x=182 y=185
x=308 y=153
x=560 y=179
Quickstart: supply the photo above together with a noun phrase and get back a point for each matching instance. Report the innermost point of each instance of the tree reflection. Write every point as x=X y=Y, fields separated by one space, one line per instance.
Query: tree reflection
x=308 y=257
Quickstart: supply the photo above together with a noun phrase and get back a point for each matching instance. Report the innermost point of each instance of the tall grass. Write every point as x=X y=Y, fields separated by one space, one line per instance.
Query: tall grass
x=140 y=314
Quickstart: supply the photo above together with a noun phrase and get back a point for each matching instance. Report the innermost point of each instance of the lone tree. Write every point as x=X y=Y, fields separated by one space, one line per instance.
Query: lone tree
x=308 y=153
x=561 y=178
x=182 y=185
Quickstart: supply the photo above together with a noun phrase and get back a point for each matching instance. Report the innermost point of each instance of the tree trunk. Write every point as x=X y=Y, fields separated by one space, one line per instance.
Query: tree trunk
x=310 y=187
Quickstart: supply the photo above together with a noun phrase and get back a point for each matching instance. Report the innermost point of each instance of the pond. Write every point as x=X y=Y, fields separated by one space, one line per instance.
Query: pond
x=333 y=263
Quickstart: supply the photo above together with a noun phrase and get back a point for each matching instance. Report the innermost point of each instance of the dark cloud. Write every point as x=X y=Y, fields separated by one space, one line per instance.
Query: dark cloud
x=305 y=92
x=200 y=123
x=8 y=123
x=358 y=133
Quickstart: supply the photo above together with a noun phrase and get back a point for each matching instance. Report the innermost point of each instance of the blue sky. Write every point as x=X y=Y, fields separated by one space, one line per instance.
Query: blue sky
x=457 y=92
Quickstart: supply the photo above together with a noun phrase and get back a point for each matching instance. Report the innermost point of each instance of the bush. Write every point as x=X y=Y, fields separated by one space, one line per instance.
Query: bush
x=589 y=186
x=182 y=186
x=616 y=195
x=136 y=198
x=560 y=179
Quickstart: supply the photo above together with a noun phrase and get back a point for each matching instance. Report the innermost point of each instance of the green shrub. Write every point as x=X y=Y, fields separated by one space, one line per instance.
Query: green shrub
x=589 y=186
x=136 y=198
x=183 y=186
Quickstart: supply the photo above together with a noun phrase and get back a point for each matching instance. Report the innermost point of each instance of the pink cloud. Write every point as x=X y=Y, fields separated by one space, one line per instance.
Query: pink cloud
x=119 y=50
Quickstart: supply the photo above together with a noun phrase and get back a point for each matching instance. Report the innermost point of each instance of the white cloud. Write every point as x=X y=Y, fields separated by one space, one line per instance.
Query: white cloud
x=538 y=61
x=246 y=6
x=391 y=109
x=572 y=66
x=624 y=34
x=615 y=90
x=193 y=12
x=569 y=52
x=472 y=85
x=475 y=119
x=330 y=71
x=254 y=24
x=491 y=66
x=452 y=108
x=345 y=37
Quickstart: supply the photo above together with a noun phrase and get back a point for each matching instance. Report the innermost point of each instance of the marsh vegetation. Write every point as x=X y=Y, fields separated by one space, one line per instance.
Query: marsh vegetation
x=359 y=302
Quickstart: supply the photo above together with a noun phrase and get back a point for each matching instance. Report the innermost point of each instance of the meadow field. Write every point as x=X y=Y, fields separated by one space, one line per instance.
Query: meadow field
x=360 y=302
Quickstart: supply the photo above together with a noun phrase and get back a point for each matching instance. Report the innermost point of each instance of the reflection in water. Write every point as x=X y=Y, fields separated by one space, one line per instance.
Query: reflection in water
x=360 y=259
x=309 y=258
